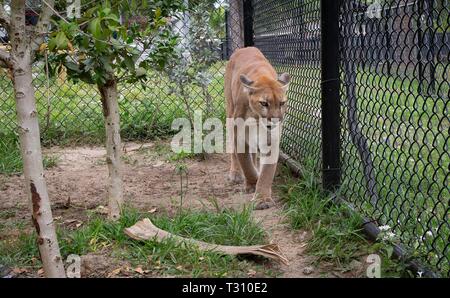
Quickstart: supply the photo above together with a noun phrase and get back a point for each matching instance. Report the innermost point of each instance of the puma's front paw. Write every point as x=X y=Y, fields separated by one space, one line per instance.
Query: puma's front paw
x=263 y=201
x=235 y=177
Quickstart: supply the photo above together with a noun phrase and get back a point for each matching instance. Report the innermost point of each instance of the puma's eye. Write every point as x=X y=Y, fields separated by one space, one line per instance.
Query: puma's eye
x=282 y=103
x=264 y=103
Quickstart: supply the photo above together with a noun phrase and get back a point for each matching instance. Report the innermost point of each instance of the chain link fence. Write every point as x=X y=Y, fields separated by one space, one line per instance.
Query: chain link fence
x=394 y=102
x=71 y=112
x=394 y=82
x=395 y=122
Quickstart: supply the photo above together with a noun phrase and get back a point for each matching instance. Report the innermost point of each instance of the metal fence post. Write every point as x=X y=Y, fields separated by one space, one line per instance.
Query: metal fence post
x=236 y=22
x=331 y=171
x=249 y=38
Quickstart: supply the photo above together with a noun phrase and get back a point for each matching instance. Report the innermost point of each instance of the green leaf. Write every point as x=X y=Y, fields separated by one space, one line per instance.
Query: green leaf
x=100 y=46
x=141 y=72
x=129 y=63
x=86 y=77
x=389 y=251
x=107 y=65
x=116 y=44
x=61 y=41
x=158 y=13
x=72 y=66
x=52 y=44
x=95 y=28
x=84 y=43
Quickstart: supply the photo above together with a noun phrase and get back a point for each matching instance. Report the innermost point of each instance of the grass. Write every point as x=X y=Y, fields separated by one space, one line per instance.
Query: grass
x=336 y=235
x=228 y=227
x=11 y=160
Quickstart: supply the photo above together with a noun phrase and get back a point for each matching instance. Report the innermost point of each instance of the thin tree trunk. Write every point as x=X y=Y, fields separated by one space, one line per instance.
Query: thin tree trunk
x=110 y=105
x=30 y=145
x=208 y=101
x=185 y=97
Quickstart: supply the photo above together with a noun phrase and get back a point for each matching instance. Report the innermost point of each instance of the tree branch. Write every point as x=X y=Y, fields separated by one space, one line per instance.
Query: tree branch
x=43 y=24
x=4 y=58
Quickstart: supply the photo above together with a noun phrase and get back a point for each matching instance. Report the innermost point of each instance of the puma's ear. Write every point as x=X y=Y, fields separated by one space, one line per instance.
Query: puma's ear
x=284 y=80
x=247 y=83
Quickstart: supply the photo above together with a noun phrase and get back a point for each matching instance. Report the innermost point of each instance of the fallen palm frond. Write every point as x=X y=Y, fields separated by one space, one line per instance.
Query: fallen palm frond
x=146 y=230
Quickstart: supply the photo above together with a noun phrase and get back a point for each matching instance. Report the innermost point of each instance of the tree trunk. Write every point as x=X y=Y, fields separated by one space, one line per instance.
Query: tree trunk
x=110 y=104
x=30 y=144
x=208 y=102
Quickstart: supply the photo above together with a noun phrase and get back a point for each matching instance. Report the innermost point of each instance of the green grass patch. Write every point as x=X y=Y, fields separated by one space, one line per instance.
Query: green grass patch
x=336 y=235
x=228 y=227
x=11 y=159
x=335 y=232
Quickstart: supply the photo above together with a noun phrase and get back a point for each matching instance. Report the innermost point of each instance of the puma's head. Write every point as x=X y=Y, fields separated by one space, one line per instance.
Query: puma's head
x=267 y=97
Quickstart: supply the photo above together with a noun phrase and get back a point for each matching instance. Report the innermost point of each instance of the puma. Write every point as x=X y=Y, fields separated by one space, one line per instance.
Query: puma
x=253 y=89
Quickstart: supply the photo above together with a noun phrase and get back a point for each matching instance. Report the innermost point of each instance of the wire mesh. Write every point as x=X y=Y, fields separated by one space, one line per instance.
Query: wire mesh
x=288 y=33
x=395 y=130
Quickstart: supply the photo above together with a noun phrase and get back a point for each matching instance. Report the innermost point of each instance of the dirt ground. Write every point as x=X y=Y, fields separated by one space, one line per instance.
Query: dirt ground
x=77 y=184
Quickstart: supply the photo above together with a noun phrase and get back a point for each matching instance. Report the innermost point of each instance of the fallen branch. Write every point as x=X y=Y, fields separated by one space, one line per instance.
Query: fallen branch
x=146 y=230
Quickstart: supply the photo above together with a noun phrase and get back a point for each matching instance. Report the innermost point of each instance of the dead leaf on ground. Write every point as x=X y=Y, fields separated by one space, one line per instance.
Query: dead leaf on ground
x=251 y=273
x=77 y=223
x=153 y=210
x=101 y=210
x=19 y=270
x=115 y=272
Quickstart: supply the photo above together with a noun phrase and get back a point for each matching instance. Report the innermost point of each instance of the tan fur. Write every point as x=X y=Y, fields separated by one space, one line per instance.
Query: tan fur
x=249 y=80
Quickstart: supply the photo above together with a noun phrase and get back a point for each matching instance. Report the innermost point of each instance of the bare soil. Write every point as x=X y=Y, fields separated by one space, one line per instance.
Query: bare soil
x=77 y=184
